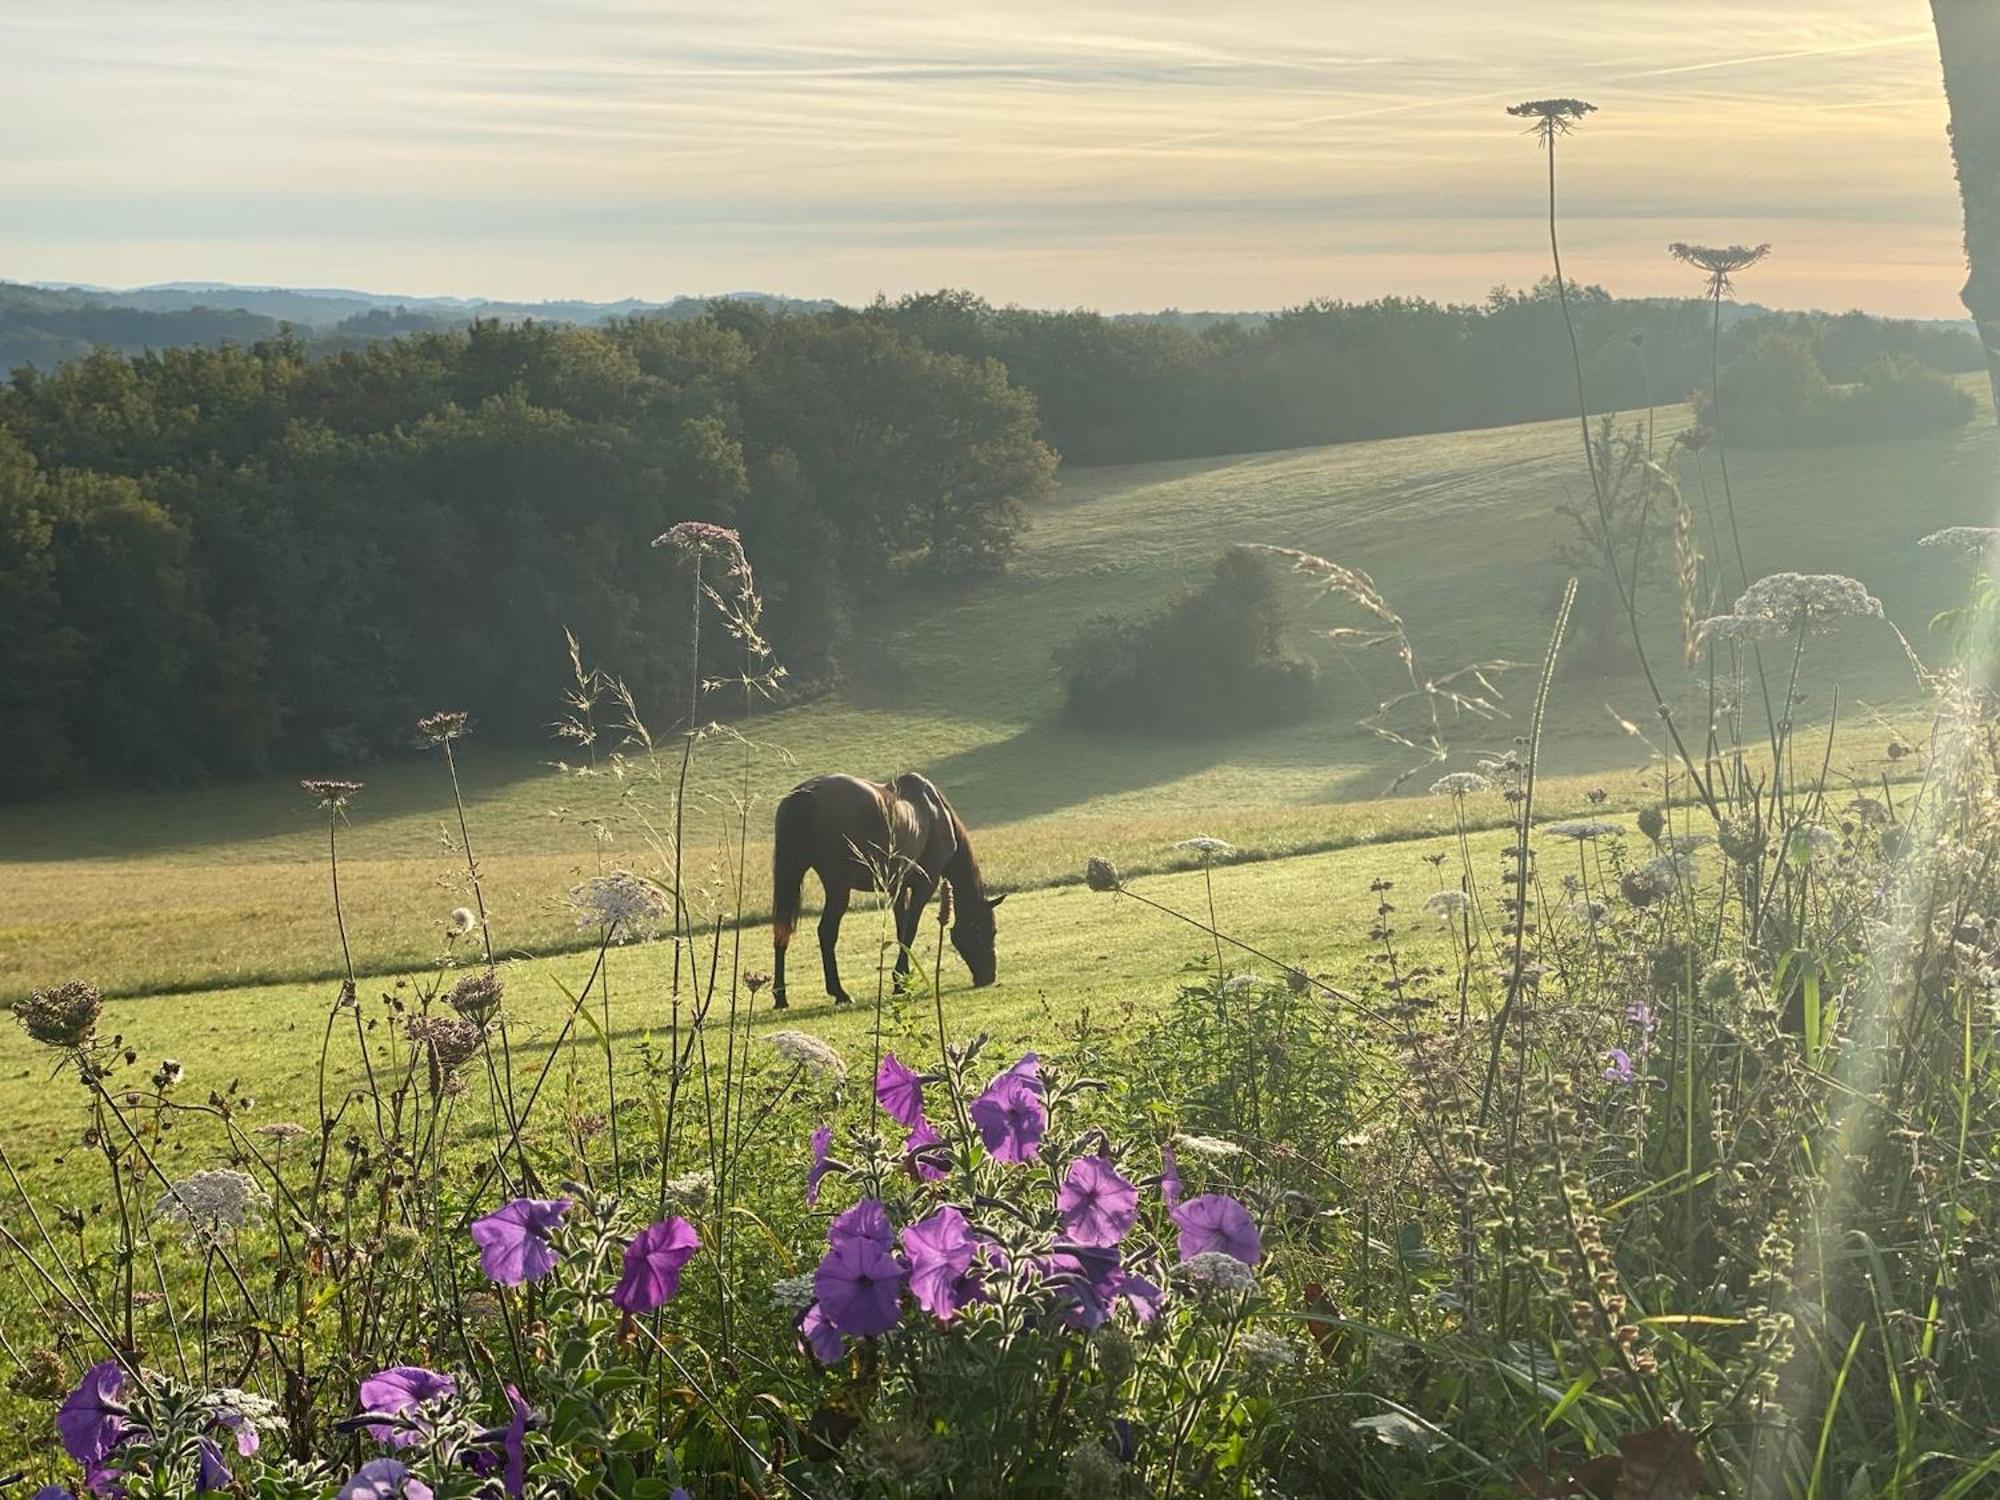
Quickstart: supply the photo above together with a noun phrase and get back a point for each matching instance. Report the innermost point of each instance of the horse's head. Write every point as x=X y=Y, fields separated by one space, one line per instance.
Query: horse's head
x=972 y=935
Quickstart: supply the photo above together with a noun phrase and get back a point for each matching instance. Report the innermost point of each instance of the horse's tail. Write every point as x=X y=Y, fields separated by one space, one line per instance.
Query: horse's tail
x=791 y=856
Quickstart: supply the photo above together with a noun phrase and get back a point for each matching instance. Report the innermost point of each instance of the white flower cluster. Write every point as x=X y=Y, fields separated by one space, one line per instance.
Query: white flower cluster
x=1963 y=538
x=1447 y=906
x=1668 y=869
x=633 y=905
x=211 y=1201
x=461 y=921
x=244 y=1411
x=1213 y=1148
x=1589 y=913
x=1784 y=603
x=1812 y=842
x=1262 y=1352
x=1459 y=784
x=1207 y=847
x=1217 y=1271
x=692 y=1187
x=793 y=1294
x=1238 y=984
x=804 y=1050
x=1583 y=829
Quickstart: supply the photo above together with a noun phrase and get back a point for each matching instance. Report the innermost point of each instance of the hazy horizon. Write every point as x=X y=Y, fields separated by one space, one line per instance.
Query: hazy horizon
x=1054 y=155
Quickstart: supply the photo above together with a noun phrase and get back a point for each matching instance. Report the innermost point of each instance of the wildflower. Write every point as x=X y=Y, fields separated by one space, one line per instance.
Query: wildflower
x=211 y=1201
x=1552 y=117
x=1583 y=830
x=793 y=1294
x=211 y=1474
x=1447 y=906
x=1207 y=847
x=1784 y=603
x=621 y=903
x=444 y=726
x=1170 y=1175
x=1100 y=874
x=653 y=1262
x=1090 y=1280
x=1264 y=1353
x=398 y=1392
x=329 y=794
x=448 y=1041
x=1641 y=887
x=1096 y=1205
x=514 y=1444
x=804 y=1050
x=820 y=1335
x=939 y=1251
x=514 y=1242
x=900 y=1092
x=1460 y=784
x=1217 y=1271
x=91 y=1420
x=243 y=1414
x=462 y=922
x=477 y=996
x=859 y=1286
x=41 y=1376
x=1214 y=1148
x=281 y=1131
x=167 y=1075
x=1214 y=1221
x=1091 y=1470
x=700 y=539
x=1740 y=837
x=1653 y=822
x=1963 y=538
x=65 y=1015
x=1010 y=1117
x=1667 y=870
x=1721 y=262
x=822 y=1141
x=1640 y=1014
x=384 y=1479
x=1239 y=984
x=867 y=1220
x=692 y=1188
x=1620 y=1066
x=1811 y=843
x=925 y=1151
x=1588 y=912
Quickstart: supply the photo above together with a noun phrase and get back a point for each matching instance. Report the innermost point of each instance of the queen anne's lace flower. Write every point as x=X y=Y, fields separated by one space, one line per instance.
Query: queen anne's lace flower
x=1213 y=1148
x=793 y=1294
x=1460 y=784
x=64 y=1015
x=1216 y=1271
x=630 y=904
x=1963 y=538
x=1583 y=829
x=1262 y=1352
x=804 y=1050
x=1784 y=603
x=1207 y=847
x=209 y=1202
x=1447 y=906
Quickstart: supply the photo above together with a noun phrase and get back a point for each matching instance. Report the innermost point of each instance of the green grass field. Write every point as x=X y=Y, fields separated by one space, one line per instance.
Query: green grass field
x=195 y=890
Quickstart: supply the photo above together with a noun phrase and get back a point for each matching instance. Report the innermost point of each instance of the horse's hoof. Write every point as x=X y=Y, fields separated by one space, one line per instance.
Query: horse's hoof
x=778 y=1002
x=840 y=1002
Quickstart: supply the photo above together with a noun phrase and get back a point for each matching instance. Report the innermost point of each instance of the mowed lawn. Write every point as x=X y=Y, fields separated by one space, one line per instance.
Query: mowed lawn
x=1067 y=956
x=194 y=890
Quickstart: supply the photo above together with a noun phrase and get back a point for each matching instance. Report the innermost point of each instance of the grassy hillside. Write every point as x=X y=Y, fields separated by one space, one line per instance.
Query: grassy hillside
x=226 y=885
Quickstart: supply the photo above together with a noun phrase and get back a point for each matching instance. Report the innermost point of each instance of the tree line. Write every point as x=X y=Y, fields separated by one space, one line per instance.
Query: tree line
x=214 y=559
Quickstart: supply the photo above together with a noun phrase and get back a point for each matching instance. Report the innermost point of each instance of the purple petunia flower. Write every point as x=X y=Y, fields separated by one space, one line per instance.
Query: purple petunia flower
x=400 y=1389
x=1216 y=1222
x=900 y=1092
x=91 y=1420
x=926 y=1153
x=653 y=1262
x=52 y=1492
x=210 y=1473
x=1096 y=1205
x=867 y=1221
x=514 y=1241
x=1620 y=1068
x=514 y=1444
x=827 y=1346
x=1170 y=1175
x=940 y=1252
x=859 y=1286
x=384 y=1479
x=1090 y=1280
x=1011 y=1117
x=822 y=1142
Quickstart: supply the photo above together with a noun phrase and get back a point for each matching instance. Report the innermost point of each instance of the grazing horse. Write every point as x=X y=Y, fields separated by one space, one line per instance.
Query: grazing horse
x=901 y=837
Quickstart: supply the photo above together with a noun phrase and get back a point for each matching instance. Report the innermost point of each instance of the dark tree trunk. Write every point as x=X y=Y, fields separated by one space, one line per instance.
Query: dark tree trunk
x=1969 y=42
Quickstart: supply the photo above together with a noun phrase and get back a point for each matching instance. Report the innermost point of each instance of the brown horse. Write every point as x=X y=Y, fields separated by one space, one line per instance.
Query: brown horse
x=901 y=837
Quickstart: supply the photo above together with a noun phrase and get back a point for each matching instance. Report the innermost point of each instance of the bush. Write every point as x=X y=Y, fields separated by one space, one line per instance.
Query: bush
x=1212 y=660
x=1778 y=396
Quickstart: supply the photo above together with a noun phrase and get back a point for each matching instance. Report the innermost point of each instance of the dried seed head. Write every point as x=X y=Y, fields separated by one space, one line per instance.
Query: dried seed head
x=62 y=1016
x=444 y=725
x=1100 y=874
x=329 y=793
x=477 y=996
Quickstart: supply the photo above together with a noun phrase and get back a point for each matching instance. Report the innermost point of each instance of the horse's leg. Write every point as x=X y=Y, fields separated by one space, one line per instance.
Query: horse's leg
x=911 y=900
x=781 y=938
x=829 y=938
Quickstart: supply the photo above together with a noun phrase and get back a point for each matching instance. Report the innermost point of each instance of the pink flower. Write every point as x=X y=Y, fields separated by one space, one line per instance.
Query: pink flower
x=1216 y=1222
x=653 y=1262
x=1097 y=1206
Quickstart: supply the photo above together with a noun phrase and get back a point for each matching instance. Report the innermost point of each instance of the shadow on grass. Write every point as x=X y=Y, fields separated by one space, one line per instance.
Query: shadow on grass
x=1048 y=767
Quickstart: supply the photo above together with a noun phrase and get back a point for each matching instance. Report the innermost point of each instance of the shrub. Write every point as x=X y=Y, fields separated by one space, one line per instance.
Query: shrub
x=1777 y=395
x=1212 y=660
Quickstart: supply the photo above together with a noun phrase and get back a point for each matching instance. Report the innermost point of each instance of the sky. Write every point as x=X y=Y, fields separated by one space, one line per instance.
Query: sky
x=1183 y=153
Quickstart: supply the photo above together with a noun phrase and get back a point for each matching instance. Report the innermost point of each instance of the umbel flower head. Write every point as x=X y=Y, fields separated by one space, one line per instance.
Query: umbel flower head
x=1551 y=117
x=1721 y=262
x=805 y=1051
x=209 y=1202
x=1784 y=603
x=65 y=1015
x=477 y=996
x=701 y=539
x=329 y=793
x=445 y=725
x=627 y=905
x=1100 y=874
